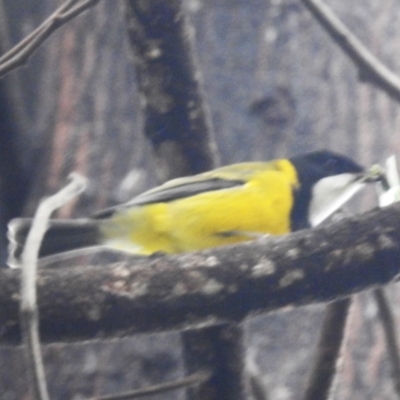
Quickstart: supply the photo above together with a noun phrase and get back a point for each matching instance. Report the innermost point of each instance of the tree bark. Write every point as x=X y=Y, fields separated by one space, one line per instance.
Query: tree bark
x=165 y=292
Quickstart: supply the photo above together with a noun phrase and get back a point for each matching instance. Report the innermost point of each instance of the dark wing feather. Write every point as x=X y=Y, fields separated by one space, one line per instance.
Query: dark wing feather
x=225 y=177
x=177 y=189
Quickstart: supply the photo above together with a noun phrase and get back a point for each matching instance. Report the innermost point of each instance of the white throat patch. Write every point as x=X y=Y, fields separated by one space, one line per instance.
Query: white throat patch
x=330 y=193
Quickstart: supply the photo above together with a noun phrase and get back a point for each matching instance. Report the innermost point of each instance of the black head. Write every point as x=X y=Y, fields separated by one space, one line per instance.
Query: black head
x=311 y=168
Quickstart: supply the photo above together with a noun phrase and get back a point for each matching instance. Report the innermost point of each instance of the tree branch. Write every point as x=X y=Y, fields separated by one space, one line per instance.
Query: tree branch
x=165 y=292
x=328 y=350
x=370 y=68
x=177 y=121
x=28 y=307
x=192 y=380
x=19 y=55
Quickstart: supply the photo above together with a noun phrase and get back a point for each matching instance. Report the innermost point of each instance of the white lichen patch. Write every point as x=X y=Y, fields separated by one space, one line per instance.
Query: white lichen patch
x=154 y=53
x=193 y=260
x=138 y=289
x=211 y=261
x=293 y=253
x=333 y=258
x=385 y=242
x=179 y=289
x=196 y=277
x=363 y=252
x=121 y=272
x=261 y=238
x=212 y=287
x=337 y=253
x=290 y=277
x=264 y=268
x=118 y=284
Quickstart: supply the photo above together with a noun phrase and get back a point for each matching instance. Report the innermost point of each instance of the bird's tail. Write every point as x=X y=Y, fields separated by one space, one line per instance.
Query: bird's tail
x=61 y=236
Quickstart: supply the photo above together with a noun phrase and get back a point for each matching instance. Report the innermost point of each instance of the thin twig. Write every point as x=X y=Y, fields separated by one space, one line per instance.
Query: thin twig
x=371 y=69
x=28 y=307
x=191 y=380
x=389 y=328
x=20 y=54
x=76 y=10
x=25 y=41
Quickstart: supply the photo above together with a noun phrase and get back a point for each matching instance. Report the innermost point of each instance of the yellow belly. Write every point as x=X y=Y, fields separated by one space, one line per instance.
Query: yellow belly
x=205 y=220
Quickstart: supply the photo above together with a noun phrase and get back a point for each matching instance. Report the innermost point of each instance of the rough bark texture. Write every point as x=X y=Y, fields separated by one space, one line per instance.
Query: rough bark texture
x=177 y=121
x=228 y=283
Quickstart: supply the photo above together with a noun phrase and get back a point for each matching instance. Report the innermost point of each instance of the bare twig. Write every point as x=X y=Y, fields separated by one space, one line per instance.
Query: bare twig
x=191 y=380
x=371 y=69
x=389 y=328
x=20 y=54
x=25 y=41
x=28 y=306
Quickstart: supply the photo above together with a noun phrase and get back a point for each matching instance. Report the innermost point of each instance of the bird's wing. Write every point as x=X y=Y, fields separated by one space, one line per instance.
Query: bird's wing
x=217 y=179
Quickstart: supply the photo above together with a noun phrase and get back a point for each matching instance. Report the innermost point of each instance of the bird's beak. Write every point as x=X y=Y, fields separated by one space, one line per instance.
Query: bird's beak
x=373 y=175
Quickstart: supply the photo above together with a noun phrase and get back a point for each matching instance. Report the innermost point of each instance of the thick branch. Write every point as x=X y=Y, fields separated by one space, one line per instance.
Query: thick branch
x=177 y=121
x=370 y=68
x=169 y=291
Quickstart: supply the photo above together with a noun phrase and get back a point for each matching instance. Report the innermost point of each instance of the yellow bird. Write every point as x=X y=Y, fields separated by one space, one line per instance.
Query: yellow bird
x=227 y=205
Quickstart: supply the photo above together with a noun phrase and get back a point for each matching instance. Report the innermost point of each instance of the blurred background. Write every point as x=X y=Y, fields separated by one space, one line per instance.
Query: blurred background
x=275 y=85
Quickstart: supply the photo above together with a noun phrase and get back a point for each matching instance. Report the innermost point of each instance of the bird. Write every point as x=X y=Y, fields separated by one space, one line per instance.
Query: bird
x=227 y=205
